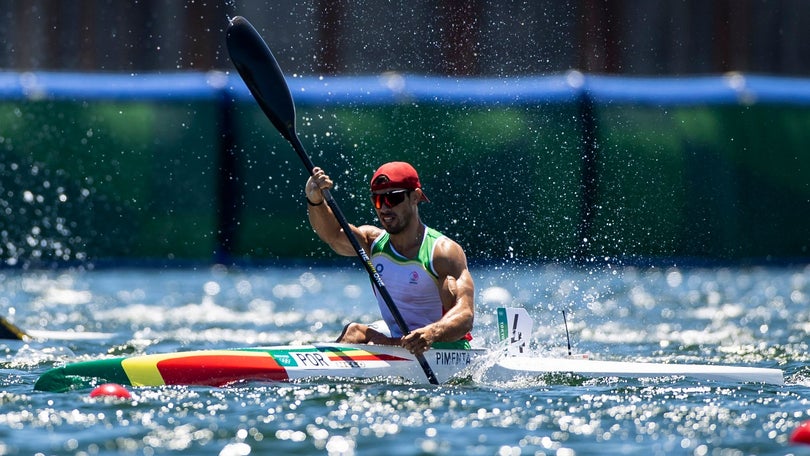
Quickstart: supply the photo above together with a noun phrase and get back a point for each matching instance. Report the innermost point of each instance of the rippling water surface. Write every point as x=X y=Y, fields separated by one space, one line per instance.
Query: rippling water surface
x=752 y=316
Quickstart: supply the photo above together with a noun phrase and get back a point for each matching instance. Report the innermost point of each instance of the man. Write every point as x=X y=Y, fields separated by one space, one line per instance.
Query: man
x=425 y=272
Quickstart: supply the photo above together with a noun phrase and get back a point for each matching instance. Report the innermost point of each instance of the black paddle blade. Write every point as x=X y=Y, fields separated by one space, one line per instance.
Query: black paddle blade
x=262 y=74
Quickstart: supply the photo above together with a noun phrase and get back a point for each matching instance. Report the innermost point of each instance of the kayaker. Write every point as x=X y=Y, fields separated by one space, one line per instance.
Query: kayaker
x=424 y=271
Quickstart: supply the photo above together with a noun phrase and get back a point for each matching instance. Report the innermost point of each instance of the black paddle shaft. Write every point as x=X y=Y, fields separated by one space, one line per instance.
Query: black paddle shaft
x=263 y=76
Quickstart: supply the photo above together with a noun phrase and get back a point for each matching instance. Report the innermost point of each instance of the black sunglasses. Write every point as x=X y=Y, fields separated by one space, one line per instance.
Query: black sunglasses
x=390 y=199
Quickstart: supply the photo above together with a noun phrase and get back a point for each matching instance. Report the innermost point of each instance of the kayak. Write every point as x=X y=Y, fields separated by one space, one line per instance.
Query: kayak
x=275 y=364
x=284 y=363
x=220 y=368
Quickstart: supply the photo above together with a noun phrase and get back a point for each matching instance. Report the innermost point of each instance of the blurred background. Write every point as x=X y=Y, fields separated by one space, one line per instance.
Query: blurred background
x=581 y=131
x=444 y=37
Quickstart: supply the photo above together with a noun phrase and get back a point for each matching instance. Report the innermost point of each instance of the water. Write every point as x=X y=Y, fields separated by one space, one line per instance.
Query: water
x=753 y=316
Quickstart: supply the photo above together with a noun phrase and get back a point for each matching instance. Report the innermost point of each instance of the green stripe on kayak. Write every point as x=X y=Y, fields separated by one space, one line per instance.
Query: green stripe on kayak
x=83 y=374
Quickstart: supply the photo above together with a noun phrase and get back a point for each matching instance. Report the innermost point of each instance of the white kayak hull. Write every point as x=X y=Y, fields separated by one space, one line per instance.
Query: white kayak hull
x=512 y=366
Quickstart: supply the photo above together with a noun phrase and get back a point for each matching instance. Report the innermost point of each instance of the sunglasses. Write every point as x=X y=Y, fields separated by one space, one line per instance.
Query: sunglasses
x=390 y=199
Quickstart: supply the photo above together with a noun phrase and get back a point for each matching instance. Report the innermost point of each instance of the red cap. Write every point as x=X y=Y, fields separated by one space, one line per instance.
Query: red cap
x=396 y=175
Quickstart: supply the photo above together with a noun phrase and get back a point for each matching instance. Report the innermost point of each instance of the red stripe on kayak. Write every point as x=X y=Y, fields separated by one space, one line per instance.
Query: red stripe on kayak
x=365 y=357
x=219 y=370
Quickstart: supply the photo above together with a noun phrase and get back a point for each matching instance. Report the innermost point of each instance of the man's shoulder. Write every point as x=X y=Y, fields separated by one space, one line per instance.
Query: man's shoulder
x=444 y=247
x=439 y=237
x=433 y=233
x=371 y=232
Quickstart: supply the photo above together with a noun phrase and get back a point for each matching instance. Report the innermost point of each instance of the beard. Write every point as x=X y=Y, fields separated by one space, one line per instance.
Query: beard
x=396 y=226
x=398 y=222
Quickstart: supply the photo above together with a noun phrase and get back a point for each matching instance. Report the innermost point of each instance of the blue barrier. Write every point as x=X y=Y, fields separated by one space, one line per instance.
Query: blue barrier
x=67 y=86
x=396 y=88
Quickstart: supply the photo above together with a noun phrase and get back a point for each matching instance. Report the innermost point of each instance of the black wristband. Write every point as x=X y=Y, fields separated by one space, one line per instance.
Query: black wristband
x=311 y=203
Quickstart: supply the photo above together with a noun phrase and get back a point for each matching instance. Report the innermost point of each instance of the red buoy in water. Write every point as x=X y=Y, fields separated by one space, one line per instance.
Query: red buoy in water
x=801 y=435
x=110 y=390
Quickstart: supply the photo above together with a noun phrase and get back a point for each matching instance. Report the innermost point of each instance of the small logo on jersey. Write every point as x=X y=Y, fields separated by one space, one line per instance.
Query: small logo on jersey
x=414 y=278
x=379 y=267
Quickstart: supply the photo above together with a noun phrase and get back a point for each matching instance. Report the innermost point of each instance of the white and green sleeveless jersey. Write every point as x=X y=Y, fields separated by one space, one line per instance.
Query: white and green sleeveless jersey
x=412 y=283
